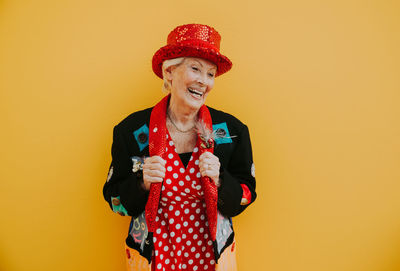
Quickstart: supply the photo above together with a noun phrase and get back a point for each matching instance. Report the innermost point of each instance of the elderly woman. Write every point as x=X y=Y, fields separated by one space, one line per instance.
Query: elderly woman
x=182 y=169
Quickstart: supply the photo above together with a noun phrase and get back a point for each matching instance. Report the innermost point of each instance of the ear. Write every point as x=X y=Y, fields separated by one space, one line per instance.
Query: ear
x=169 y=71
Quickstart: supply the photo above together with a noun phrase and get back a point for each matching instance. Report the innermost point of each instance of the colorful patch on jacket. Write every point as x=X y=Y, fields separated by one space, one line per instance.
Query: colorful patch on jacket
x=118 y=207
x=137 y=163
x=138 y=230
x=142 y=136
x=221 y=133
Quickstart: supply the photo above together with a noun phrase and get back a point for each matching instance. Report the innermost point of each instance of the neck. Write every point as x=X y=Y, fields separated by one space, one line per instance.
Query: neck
x=181 y=115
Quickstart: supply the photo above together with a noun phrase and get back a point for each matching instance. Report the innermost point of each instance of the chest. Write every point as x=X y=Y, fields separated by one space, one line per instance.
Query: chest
x=184 y=142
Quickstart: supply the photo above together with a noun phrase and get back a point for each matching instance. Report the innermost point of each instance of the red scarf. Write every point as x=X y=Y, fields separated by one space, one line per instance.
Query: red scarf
x=157 y=144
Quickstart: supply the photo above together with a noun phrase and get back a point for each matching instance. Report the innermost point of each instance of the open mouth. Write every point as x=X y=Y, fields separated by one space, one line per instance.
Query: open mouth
x=195 y=92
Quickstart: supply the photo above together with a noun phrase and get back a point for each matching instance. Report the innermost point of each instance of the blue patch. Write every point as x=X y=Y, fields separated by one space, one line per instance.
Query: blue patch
x=117 y=206
x=221 y=133
x=142 y=136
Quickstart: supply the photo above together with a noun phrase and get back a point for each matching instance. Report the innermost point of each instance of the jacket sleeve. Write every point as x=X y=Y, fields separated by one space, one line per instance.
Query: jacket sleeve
x=238 y=173
x=122 y=189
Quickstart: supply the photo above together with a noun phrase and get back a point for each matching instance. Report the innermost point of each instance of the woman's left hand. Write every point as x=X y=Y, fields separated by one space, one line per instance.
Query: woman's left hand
x=209 y=166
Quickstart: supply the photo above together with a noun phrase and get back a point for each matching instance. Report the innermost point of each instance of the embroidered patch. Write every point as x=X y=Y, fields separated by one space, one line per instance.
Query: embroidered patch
x=221 y=133
x=110 y=173
x=117 y=206
x=142 y=136
x=253 y=170
x=137 y=163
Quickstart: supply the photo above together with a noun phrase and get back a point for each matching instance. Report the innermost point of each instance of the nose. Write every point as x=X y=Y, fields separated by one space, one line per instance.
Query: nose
x=201 y=79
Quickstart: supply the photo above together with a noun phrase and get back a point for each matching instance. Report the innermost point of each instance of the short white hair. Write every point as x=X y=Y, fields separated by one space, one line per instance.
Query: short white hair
x=166 y=64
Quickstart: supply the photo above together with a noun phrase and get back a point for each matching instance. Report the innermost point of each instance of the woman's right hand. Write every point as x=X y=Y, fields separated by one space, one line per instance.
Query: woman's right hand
x=153 y=171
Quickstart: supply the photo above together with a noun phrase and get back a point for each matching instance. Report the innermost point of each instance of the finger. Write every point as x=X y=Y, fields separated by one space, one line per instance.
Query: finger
x=154 y=166
x=155 y=173
x=154 y=179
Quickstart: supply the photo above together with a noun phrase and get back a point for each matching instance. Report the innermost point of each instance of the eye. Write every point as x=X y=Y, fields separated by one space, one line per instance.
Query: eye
x=195 y=68
x=211 y=74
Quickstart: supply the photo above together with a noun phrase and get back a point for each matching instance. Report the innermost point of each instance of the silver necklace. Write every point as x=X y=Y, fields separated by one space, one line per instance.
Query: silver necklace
x=176 y=127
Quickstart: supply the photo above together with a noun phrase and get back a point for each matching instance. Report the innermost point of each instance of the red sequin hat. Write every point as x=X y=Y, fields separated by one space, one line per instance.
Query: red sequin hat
x=192 y=40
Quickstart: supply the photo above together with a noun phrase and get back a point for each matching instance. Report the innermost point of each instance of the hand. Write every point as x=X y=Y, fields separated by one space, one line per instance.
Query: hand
x=153 y=171
x=209 y=166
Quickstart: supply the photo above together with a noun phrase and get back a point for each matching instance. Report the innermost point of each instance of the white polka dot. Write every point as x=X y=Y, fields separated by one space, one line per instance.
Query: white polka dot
x=195 y=267
x=171 y=143
x=193 y=204
x=202 y=217
x=208 y=255
x=178 y=226
x=156 y=252
x=203 y=249
x=163 y=223
x=186 y=211
x=197 y=255
x=198 y=211
x=186 y=254
x=166 y=149
x=157 y=218
x=201 y=230
x=195 y=236
x=167 y=261
x=175 y=188
x=205 y=267
x=199 y=243
x=198 y=175
x=196 y=162
x=209 y=242
x=177 y=212
x=160 y=244
x=191 y=170
x=184 y=266
x=190 y=261
x=212 y=262
x=170 y=156
x=175 y=175
x=170 y=207
x=169 y=194
x=185 y=202
x=159 y=266
x=181 y=170
x=195 y=149
x=185 y=224
x=187 y=190
x=179 y=253
x=164 y=235
x=173 y=267
x=161 y=256
x=163 y=188
x=165 y=248
x=201 y=261
x=166 y=136
x=176 y=163
x=188 y=242
x=187 y=177
x=178 y=239
x=172 y=234
x=160 y=211
x=205 y=236
x=158 y=231
x=155 y=130
x=190 y=230
x=197 y=223
x=183 y=236
x=168 y=181
x=177 y=198
x=181 y=183
x=171 y=221
x=193 y=249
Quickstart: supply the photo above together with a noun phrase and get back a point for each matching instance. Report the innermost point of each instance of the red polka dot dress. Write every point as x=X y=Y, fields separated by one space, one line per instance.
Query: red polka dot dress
x=182 y=239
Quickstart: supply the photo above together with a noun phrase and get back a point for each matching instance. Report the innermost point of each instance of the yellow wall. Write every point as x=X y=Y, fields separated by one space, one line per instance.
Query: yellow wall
x=317 y=83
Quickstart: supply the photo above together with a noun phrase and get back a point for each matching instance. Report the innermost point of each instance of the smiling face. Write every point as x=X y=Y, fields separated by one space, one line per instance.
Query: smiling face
x=190 y=82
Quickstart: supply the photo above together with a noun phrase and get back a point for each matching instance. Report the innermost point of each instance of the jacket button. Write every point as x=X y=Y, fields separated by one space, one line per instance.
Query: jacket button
x=220 y=132
x=116 y=202
x=142 y=138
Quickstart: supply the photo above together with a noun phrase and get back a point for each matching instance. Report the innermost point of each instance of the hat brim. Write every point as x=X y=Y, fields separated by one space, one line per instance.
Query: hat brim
x=178 y=50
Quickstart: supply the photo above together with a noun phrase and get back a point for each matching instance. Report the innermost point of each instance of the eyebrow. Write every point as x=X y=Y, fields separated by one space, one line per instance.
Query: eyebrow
x=202 y=64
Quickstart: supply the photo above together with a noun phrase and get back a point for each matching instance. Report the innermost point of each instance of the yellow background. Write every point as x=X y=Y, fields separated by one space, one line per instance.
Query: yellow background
x=317 y=82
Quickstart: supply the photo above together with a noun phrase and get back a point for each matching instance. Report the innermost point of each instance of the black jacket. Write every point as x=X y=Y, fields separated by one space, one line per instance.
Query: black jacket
x=123 y=190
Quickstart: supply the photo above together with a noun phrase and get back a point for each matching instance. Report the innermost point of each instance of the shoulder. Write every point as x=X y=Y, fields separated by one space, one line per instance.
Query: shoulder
x=135 y=120
x=220 y=118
